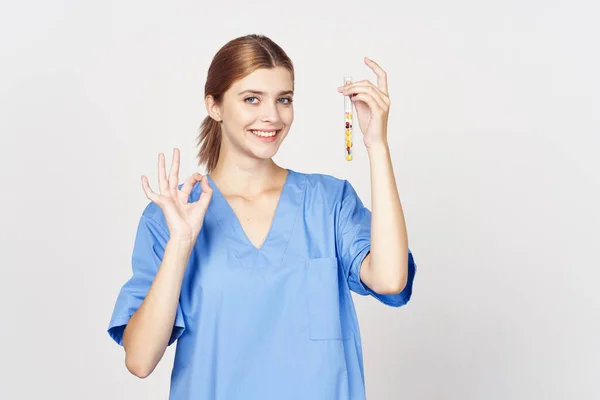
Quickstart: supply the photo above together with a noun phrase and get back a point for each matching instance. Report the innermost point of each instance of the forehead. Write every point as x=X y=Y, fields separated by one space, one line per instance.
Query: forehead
x=272 y=80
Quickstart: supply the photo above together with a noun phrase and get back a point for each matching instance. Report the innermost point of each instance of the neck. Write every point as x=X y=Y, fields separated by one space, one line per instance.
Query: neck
x=246 y=176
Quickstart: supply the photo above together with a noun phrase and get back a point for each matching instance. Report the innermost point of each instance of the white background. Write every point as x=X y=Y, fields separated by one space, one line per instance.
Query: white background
x=493 y=131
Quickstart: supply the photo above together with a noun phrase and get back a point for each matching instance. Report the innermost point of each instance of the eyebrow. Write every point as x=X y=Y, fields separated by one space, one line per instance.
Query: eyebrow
x=263 y=93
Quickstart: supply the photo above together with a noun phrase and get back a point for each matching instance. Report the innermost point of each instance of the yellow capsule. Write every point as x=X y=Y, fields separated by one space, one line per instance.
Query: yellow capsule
x=349 y=157
x=349 y=116
x=348 y=132
x=348 y=143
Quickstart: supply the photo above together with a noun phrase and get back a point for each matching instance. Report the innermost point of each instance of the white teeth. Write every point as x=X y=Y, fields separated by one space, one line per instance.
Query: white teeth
x=264 y=134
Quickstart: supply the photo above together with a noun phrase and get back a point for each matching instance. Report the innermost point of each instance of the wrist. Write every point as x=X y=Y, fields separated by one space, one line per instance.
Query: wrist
x=378 y=149
x=182 y=242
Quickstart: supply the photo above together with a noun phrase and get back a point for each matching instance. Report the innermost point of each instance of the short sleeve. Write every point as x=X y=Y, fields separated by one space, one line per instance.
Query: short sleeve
x=353 y=241
x=148 y=251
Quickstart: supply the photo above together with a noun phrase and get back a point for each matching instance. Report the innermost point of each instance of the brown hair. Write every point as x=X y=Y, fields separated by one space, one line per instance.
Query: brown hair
x=235 y=60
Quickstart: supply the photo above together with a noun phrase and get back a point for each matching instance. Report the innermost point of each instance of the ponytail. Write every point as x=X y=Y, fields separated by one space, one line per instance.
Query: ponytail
x=209 y=141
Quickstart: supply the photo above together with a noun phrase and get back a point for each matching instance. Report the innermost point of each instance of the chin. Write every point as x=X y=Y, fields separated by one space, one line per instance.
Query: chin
x=265 y=154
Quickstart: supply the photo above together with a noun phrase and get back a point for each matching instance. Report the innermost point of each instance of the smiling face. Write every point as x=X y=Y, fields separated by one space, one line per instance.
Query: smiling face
x=256 y=113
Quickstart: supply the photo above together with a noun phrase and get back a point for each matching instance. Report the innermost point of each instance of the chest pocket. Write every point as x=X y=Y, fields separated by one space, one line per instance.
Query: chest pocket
x=323 y=283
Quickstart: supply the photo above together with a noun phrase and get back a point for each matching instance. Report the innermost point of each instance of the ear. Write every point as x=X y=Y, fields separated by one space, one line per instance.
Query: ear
x=213 y=108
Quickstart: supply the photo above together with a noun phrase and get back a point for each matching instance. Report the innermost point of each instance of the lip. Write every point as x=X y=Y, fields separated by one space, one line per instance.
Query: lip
x=266 y=139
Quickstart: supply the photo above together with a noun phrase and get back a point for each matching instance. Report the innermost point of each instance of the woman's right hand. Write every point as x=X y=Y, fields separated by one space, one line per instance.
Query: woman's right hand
x=184 y=219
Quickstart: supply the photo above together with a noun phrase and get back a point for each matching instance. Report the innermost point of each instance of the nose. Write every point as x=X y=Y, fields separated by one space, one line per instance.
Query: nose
x=270 y=113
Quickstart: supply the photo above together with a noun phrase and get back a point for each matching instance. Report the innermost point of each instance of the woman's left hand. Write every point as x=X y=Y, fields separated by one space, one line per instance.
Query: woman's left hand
x=372 y=105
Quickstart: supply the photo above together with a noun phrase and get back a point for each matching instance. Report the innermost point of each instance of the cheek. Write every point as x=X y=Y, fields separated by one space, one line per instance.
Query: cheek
x=245 y=118
x=288 y=116
x=239 y=117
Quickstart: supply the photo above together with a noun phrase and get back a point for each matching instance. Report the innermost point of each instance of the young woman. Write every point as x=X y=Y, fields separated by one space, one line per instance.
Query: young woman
x=250 y=267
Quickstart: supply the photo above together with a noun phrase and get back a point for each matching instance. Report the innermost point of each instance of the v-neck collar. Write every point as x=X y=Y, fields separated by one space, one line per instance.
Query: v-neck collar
x=278 y=236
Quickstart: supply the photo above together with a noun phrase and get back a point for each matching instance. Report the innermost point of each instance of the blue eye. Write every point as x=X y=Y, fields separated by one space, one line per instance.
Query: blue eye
x=289 y=100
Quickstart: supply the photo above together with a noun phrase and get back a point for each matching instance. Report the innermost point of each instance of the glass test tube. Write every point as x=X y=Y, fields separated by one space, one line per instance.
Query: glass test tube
x=348 y=121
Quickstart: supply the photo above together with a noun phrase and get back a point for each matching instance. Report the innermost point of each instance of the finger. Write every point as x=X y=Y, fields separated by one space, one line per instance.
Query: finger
x=369 y=91
x=200 y=207
x=381 y=74
x=370 y=100
x=354 y=84
x=163 y=183
x=206 y=194
x=207 y=191
x=149 y=193
x=174 y=172
x=206 y=186
x=188 y=186
x=365 y=83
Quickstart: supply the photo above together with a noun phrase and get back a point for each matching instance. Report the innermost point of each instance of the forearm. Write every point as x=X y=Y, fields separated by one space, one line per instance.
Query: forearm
x=149 y=329
x=389 y=242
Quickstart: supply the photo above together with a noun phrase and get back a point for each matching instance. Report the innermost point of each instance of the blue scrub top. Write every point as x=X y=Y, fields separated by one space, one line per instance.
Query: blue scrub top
x=271 y=323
